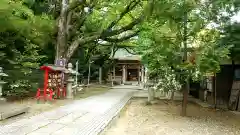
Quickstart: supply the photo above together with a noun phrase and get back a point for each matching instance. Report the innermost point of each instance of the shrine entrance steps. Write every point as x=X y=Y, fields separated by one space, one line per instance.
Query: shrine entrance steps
x=82 y=117
x=127 y=87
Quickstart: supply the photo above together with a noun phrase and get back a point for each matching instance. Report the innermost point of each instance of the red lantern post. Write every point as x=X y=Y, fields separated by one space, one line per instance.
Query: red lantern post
x=53 y=83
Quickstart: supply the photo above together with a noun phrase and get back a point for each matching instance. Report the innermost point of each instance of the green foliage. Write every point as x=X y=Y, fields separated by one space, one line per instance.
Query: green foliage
x=106 y=12
x=231 y=39
x=19 y=89
x=160 y=51
x=161 y=41
x=23 y=37
x=209 y=54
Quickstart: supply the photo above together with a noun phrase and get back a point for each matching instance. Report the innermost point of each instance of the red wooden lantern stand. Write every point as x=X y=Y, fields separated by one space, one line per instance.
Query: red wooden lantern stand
x=53 y=83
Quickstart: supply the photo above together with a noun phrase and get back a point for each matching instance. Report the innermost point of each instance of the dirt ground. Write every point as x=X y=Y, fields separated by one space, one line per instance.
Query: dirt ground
x=39 y=107
x=164 y=118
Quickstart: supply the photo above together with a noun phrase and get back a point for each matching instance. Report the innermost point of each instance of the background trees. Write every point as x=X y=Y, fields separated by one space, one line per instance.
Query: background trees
x=163 y=48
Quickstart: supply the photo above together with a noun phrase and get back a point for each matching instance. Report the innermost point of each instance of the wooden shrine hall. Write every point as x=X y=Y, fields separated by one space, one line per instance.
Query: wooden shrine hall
x=127 y=68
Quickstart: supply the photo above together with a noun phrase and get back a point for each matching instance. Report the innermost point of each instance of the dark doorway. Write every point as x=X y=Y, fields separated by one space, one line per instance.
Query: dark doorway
x=132 y=75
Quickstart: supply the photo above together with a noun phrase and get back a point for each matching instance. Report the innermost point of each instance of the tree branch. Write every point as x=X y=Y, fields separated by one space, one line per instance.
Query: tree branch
x=129 y=7
x=68 y=26
x=115 y=40
x=76 y=43
x=106 y=33
x=82 y=41
x=82 y=16
x=123 y=29
x=85 y=15
x=75 y=4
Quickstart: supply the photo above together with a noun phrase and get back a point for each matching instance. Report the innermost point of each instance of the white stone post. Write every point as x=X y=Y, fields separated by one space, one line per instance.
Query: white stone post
x=70 y=81
x=76 y=77
x=100 y=75
x=139 y=75
x=1 y=86
x=145 y=76
x=111 y=78
x=151 y=94
x=89 y=73
x=2 y=99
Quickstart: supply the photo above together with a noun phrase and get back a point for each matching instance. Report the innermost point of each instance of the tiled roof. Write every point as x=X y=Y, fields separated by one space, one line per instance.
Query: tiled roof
x=123 y=54
x=58 y=68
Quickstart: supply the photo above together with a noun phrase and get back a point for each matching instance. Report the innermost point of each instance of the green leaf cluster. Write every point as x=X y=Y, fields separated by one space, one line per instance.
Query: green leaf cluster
x=23 y=37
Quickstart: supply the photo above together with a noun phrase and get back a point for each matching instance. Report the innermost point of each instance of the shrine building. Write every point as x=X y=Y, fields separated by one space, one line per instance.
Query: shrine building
x=127 y=68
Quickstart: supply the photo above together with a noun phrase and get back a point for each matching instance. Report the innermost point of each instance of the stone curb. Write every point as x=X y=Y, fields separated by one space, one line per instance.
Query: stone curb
x=114 y=113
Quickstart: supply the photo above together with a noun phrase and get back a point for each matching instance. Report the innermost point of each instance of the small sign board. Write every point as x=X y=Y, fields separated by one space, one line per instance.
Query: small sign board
x=60 y=62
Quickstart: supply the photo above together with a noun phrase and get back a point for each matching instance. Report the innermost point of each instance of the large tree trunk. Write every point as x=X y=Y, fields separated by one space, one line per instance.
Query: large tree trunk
x=185 y=98
x=186 y=89
x=62 y=31
x=75 y=44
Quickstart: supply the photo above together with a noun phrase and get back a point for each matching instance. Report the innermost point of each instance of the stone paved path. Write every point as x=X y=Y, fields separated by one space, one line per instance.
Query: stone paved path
x=82 y=117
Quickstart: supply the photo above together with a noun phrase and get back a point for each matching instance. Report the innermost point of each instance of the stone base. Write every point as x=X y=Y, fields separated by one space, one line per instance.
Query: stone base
x=2 y=100
x=8 y=110
x=127 y=83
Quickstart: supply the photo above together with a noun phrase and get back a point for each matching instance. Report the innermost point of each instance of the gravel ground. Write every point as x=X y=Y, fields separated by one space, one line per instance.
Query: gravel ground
x=164 y=118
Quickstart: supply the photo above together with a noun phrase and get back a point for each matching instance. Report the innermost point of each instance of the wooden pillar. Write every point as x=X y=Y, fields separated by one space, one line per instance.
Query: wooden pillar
x=111 y=77
x=45 y=83
x=139 y=75
x=100 y=75
x=114 y=73
x=142 y=75
x=124 y=74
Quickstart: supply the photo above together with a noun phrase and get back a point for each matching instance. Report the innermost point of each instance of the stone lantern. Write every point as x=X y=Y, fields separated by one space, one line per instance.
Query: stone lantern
x=2 y=83
x=70 y=81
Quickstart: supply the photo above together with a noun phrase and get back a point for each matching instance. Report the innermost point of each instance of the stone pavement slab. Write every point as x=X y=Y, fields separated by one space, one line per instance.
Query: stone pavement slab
x=9 y=110
x=81 y=117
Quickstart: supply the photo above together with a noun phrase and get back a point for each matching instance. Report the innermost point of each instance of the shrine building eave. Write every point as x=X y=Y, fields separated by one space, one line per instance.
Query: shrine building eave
x=123 y=54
